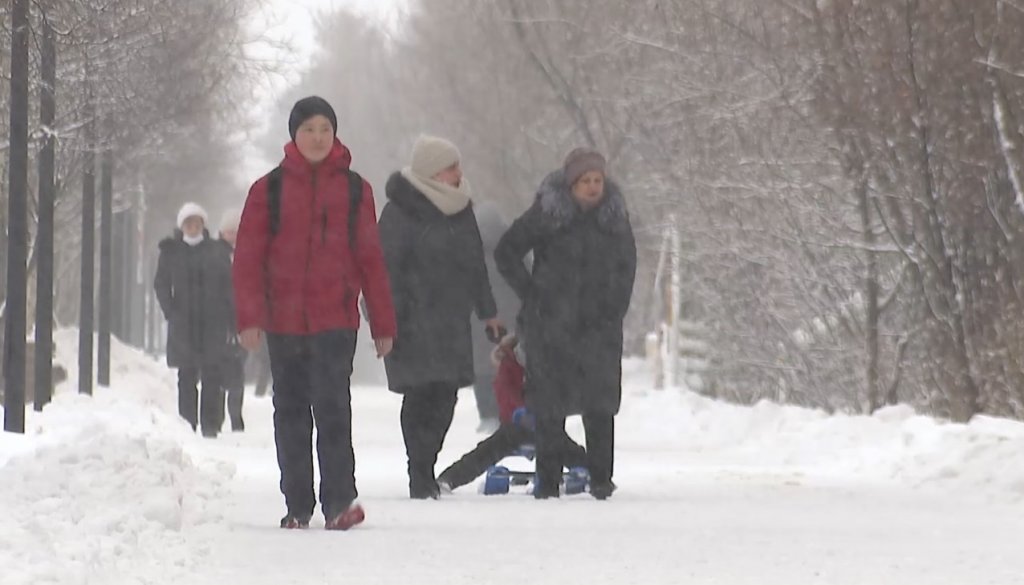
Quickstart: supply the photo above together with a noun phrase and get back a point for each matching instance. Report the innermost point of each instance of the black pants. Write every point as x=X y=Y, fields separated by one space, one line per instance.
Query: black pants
x=427 y=413
x=501 y=444
x=600 y=432
x=483 y=390
x=234 y=387
x=311 y=381
x=200 y=410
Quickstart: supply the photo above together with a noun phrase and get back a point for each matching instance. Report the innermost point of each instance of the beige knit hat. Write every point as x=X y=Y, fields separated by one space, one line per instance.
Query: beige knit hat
x=431 y=155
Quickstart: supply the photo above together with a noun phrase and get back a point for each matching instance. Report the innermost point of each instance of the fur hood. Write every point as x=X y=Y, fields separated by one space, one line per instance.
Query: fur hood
x=557 y=203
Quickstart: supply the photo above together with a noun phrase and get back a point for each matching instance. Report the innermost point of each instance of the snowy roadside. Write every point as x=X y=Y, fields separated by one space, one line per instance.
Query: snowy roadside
x=980 y=459
x=112 y=488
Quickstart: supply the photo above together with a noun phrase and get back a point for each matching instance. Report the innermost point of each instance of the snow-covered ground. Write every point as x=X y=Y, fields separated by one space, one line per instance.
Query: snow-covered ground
x=115 y=489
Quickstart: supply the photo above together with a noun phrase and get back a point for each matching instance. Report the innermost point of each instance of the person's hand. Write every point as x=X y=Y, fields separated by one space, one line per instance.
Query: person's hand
x=250 y=338
x=495 y=330
x=384 y=346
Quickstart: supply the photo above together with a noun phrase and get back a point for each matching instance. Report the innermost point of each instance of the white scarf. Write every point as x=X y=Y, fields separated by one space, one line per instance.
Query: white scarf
x=193 y=240
x=449 y=200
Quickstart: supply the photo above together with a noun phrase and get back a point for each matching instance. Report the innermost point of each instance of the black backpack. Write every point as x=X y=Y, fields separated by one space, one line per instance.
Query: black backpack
x=355 y=199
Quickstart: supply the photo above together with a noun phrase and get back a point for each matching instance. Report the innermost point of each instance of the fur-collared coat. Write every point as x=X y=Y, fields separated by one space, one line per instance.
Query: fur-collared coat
x=438 y=279
x=574 y=299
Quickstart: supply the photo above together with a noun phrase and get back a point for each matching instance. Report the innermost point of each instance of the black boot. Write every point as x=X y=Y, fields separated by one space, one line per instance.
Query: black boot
x=422 y=484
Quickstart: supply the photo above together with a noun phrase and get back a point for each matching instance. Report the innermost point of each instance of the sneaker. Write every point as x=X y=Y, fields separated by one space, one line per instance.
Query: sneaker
x=348 y=518
x=292 y=522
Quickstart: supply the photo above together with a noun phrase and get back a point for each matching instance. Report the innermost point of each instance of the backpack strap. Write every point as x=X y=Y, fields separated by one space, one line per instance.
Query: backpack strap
x=274 y=199
x=355 y=200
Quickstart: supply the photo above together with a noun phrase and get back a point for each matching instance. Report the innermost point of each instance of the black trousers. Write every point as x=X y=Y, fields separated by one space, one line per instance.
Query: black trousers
x=600 y=433
x=501 y=444
x=200 y=410
x=427 y=413
x=312 y=382
x=234 y=386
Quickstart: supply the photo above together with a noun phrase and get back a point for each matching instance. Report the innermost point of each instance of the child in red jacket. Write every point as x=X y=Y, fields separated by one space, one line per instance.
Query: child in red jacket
x=516 y=424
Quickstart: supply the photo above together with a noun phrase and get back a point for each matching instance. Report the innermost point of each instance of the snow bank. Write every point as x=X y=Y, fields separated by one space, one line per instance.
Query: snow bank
x=982 y=458
x=110 y=488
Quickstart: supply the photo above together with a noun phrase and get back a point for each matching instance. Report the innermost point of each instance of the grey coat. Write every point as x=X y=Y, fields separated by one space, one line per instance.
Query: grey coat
x=574 y=299
x=193 y=287
x=438 y=279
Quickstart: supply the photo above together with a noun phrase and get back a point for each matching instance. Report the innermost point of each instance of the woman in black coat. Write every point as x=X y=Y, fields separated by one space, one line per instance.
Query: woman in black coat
x=438 y=278
x=574 y=302
x=233 y=371
x=193 y=286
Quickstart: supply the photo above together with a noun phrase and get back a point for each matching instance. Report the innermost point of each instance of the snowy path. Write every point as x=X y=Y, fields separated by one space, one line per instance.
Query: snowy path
x=677 y=518
x=115 y=489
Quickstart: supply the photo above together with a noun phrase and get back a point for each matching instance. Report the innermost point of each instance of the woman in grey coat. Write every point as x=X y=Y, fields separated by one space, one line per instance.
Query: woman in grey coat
x=438 y=278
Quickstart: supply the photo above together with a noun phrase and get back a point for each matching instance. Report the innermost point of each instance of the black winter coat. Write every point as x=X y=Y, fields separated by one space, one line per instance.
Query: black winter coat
x=193 y=286
x=574 y=299
x=438 y=278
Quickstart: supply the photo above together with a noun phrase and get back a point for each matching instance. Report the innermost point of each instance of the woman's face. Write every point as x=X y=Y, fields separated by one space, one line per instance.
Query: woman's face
x=450 y=176
x=588 y=190
x=193 y=226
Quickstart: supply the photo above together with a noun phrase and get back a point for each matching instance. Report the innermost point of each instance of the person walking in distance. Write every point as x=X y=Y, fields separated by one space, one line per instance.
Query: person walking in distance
x=233 y=377
x=193 y=287
x=492 y=227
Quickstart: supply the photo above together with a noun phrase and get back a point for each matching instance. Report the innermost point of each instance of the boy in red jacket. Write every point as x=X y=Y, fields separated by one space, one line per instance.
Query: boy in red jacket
x=307 y=246
x=516 y=424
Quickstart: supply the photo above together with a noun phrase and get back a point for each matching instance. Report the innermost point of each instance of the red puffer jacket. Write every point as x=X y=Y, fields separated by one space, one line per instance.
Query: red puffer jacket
x=306 y=278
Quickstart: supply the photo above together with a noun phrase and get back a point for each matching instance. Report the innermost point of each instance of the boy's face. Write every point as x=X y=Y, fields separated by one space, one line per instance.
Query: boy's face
x=315 y=138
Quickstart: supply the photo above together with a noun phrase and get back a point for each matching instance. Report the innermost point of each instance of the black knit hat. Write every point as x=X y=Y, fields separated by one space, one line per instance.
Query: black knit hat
x=308 y=107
